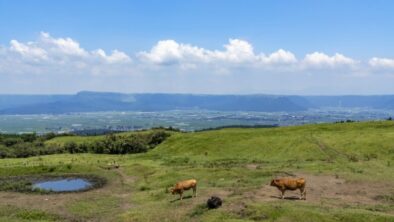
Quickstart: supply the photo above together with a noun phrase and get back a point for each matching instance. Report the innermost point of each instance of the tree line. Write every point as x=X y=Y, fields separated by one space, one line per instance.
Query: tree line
x=25 y=145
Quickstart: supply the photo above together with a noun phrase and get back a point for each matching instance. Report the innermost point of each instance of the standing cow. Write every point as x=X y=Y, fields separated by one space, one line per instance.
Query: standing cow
x=284 y=184
x=185 y=185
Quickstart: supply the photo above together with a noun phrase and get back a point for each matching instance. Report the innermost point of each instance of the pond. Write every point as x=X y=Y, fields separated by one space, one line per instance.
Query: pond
x=63 y=184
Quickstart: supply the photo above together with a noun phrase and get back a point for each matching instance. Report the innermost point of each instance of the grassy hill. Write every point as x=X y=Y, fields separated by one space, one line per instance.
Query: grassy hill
x=349 y=169
x=61 y=140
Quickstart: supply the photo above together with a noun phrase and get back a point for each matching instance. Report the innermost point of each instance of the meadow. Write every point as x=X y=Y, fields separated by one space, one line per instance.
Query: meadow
x=349 y=169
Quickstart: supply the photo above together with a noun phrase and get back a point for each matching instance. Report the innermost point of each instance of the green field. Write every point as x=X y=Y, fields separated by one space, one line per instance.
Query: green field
x=349 y=168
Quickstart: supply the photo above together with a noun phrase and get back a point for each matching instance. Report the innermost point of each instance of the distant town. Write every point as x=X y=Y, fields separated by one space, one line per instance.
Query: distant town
x=192 y=120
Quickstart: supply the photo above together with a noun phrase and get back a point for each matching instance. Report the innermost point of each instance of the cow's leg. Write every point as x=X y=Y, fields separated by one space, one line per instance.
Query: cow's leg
x=195 y=191
x=283 y=193
x=301 y=192
x=181 y=194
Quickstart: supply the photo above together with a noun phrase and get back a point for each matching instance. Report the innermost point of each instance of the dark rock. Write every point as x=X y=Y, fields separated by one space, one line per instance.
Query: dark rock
x=214 y=202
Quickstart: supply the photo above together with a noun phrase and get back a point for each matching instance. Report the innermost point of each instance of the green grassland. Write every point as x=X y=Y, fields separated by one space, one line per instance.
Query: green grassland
x=235 y=164
x=61 y=140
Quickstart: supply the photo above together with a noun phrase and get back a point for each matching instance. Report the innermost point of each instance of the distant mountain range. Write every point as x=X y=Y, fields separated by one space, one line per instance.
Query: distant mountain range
x=99 y=101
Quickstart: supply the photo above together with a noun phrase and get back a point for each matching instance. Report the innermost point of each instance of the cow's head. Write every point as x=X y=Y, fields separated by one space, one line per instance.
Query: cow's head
x=172 y=190
x=273 y=182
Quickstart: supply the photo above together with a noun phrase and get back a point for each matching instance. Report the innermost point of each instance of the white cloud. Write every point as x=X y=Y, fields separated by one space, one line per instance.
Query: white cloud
x=115 y=57
x=280 y=56
x=28 y=50
x=318 y=59
x=170 y=52
x=236 y=52
x=381 y=62
x=65 y=46
x=54 y=55
x=236 y=67
x=50 y=55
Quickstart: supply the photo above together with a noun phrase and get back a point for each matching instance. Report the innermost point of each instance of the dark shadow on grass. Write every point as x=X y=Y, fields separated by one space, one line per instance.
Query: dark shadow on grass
x=185 y=197
x=287 y=198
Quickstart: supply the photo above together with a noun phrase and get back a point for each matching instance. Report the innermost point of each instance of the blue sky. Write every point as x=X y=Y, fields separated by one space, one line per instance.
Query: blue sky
x=180 y=46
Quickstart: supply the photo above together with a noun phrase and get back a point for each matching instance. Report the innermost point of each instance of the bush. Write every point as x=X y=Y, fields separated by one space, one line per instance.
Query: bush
x=83 y=148
x=32 y=145
x=22 y=150
x=71 y=147
x=158 y=137
x=29 y=137
x=49 y=136
x=131 y=145
x=11 y=141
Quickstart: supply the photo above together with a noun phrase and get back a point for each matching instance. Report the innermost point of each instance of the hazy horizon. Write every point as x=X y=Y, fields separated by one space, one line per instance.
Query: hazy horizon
x=186 y=93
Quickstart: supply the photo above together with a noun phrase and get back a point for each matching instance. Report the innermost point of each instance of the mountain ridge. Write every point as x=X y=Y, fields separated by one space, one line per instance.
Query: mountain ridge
x=89 y=101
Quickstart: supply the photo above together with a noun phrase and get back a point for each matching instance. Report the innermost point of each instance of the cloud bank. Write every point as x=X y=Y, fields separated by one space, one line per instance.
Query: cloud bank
x=170 y=61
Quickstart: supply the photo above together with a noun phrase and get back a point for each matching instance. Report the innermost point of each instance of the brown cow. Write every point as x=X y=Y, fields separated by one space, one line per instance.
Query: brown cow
x=185 y=185
x=284 y=184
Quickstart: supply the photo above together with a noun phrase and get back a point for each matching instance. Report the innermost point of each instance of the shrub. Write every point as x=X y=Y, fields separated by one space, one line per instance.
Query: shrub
x=11 y=141
x=32 y=145
x=158 y=137
x=29 y=137
x=71 y=147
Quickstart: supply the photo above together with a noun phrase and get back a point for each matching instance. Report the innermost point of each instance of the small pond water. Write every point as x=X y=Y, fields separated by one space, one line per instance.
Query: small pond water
x=63 y=185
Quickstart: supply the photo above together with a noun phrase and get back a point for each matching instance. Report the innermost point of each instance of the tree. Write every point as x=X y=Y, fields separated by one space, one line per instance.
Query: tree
x=71 y=147
x=29 y=137
x=158 y=137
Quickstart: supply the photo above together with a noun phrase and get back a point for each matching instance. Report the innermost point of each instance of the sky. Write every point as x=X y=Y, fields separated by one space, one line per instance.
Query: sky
x=323 y=47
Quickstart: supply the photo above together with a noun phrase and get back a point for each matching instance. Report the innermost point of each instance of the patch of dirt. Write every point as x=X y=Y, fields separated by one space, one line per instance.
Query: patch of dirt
x=53 y=203
x=328 y=188
x=252 y=166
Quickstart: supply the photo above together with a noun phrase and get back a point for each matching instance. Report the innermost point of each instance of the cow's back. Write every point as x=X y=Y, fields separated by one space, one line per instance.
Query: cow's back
x=186 y=184
x=291 y=183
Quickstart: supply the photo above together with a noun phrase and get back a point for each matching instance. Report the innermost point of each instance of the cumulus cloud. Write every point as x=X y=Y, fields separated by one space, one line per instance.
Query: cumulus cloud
x=170 y=52
x=52 y=55
x=318 y=59
x=235 y=52
x=381 y=63
x=65 y=46
x=62 y=63
x=115 y=57
x=28 y=50
x=280 y=56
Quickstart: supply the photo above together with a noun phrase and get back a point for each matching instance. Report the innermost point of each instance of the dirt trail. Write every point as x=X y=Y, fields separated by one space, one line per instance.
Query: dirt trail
x=125 y=196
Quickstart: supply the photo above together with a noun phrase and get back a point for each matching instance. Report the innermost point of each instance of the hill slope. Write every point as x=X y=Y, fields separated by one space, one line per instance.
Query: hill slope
x=348 y=168
x=319 y=142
